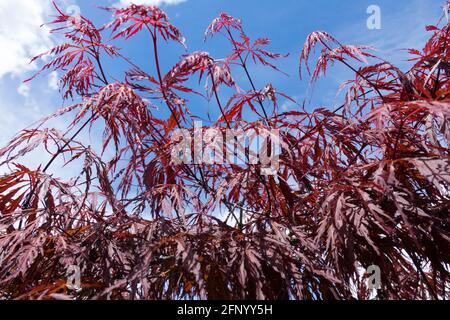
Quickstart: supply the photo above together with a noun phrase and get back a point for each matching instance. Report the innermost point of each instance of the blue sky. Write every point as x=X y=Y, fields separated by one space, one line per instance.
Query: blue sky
x=285 y=22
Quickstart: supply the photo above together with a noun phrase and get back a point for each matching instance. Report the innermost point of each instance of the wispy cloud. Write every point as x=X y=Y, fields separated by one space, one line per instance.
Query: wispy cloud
x=21 y=36
x=401 y=30
x=403 y=27
x=124 y=3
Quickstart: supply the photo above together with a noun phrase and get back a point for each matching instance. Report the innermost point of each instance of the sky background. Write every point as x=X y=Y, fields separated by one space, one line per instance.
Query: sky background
x=286 y=22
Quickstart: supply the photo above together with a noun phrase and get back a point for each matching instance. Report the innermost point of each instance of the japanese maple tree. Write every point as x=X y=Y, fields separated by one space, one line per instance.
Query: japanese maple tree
x=363 y=185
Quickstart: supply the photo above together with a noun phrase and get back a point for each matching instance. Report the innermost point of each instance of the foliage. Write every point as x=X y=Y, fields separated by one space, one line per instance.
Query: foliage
x=365 y=184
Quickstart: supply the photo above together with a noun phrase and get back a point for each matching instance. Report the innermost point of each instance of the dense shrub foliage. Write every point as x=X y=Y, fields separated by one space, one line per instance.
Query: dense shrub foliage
x=365 y=184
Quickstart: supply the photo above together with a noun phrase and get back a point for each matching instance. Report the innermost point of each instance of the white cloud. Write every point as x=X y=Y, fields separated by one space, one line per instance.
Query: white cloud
x=21 y=38
x=53 y=80
x=21 y=34
x=124 y=3
x=400 y=30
